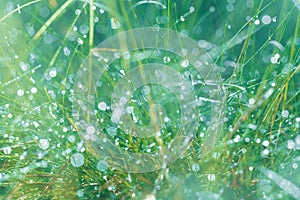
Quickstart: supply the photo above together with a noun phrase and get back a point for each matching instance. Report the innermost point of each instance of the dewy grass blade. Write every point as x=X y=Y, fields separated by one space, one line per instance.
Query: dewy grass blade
x=58 y=12
x=283 y=183
x=18 y=9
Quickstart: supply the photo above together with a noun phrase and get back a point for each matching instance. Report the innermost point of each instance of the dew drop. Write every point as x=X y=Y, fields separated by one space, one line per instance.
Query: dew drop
x=102 y=106
x=295 y=166
x=192 y=9
x=290 y=144
x=44 y=12
x=297 y=139
x=102 y=165
x=52 y=73
x=67 y=52
x=266 y=152
x=77 y=12
x=20 y=92
x=79 y=41
x=77 y=160
x=7 y=150
x=90 y=130
x=257 y=22
x=83 y=29
x=195 y=167
x=24 y=66
x=265 y=143
x=126 y=55
x=211 y=177
x=44 y=144
x=146 y=90
x=266 y=19
x=185 y=63
x=167 y=59
x=251 y=101
x=285 y=113
x=150 y=197
x=114 y=23
x=166 y=119
x=80 y=193
x=33 y=90
x=230 y=7
x=71 y=138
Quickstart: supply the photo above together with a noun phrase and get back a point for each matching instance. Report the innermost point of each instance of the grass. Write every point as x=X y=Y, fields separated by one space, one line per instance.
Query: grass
x=255 y=45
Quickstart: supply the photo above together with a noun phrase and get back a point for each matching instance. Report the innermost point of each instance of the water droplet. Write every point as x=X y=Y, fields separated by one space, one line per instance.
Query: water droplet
x=30 y=30
x=290 y=144
x=252 y=126
x=250 y=3
x=7 y=150
x=44 y=144
x=24 y=66
x=79 y=41
x=266 y=19
x=114 y=23
x=126 y=55
x=285 y=113
x=20 y=92
x=266 y=152
x=102 y=165
x=146 y=90
x=83 y=29
x=90 y=130
x=167 y=59
x=295 y=166
x=257 y=22
x=71 y=138
x=258 y=141
x=212 y=9
x=44 y=12
x=77 y=12
x=150 y=197
x=195 y=167
x=49 y=39
x=251 y=101
x=77 y=160
x=265 y=143
x=102 y=106
x=297 y=139
x=80 y=193
x=185 y=63
x=211 y=177
x=67 y=52
x=52 y=73
x=192 y=9
x=230 y=7
x=166 y=119
x=33 y=90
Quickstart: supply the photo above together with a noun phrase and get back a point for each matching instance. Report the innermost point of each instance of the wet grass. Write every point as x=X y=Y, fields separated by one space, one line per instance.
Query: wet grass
x=255 y=45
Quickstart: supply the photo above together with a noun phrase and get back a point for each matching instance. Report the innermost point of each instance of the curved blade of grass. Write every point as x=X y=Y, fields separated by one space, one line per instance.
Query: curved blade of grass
x=18 y=9
x=61 y=10
x=283 y=183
